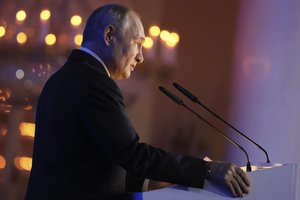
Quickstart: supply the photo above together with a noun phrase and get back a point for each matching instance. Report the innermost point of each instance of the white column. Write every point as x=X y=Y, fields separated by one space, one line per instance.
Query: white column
x=266 y=97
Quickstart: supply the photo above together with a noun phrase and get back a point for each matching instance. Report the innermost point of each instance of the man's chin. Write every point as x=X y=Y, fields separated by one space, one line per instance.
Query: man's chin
x=122 y=76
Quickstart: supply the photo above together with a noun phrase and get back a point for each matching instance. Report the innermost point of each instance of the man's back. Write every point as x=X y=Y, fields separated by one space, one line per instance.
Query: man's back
x=67 y=161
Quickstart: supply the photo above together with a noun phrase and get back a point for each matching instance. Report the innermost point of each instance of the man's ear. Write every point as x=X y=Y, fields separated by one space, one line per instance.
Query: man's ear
x=109 y=32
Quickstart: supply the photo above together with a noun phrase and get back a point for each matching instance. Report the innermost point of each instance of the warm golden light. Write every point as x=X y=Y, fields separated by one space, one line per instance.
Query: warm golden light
x=164 y=35
x=170 y=43
x=78 y=39
x=45 y=15
x=148 y=43
x=76 y=20
x=23 y=163
x=172 y=40
x=21 y=38
x=21 y=15
x=50 y=39
x=2 y=162
x=154 y=31
x=175 y=37
x=2 y=31
x=27 y=129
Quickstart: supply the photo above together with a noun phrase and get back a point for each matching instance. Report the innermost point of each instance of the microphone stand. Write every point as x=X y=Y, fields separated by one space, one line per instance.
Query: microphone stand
x=195 y=100
x=181 y=103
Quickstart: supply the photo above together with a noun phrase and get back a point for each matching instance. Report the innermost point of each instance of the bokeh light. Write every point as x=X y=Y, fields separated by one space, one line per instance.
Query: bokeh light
x=21 y=38
x=154 y=31
x=21 y=15
x=42 y=71
x=76 y=20
x=27 y=129
x=164 y=35
x=175 y=37
x=4 y=105
x=172 y=40
x=148 y=43
x=2 y=31
x=78 y=39
x=2 y=162
x=50 y=39
x=23 y=163
x=45 y=14
x=20 y=74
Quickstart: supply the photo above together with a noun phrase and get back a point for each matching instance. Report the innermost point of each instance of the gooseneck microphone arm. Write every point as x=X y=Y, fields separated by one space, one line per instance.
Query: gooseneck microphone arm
x=181 y=103
x=195 y=100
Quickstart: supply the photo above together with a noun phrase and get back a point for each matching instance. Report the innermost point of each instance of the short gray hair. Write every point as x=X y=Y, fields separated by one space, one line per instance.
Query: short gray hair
x=110 y=14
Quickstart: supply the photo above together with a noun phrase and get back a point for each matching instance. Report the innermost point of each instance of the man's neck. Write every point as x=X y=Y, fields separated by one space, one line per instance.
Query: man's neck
x=92 y=53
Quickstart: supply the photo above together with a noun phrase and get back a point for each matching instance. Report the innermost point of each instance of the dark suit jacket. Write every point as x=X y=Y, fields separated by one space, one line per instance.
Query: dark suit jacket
x=84 y=142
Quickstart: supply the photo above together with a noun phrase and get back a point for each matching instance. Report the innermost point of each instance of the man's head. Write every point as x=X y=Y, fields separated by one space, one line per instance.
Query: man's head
x=115 y=33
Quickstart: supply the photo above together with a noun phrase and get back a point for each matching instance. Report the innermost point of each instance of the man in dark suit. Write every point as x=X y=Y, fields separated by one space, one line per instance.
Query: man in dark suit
x=85 y=146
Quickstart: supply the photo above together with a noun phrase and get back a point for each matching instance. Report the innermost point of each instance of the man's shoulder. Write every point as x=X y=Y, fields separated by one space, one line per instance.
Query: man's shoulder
x=86 y=61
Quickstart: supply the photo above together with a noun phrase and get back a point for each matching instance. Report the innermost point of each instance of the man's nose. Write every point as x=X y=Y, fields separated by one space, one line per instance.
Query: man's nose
x=139 y=57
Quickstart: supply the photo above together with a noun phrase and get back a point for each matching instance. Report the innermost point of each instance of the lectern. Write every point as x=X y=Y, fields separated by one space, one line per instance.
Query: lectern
x=273 y=183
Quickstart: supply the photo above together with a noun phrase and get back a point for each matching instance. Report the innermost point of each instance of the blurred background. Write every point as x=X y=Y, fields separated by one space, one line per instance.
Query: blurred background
x=240 y=58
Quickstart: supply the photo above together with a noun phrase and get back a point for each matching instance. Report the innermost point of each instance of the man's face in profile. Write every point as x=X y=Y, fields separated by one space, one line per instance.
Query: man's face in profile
x=127 y=47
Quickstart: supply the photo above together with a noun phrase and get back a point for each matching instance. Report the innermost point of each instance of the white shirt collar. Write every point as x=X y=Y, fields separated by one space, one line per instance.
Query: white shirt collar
x=95 y=56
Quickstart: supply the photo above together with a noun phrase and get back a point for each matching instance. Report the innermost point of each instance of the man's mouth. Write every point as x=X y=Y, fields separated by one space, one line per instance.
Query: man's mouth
x=132 y=67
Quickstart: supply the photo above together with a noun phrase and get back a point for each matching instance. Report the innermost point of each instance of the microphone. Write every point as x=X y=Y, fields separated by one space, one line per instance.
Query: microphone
x=195 y=100
x=181 y=103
